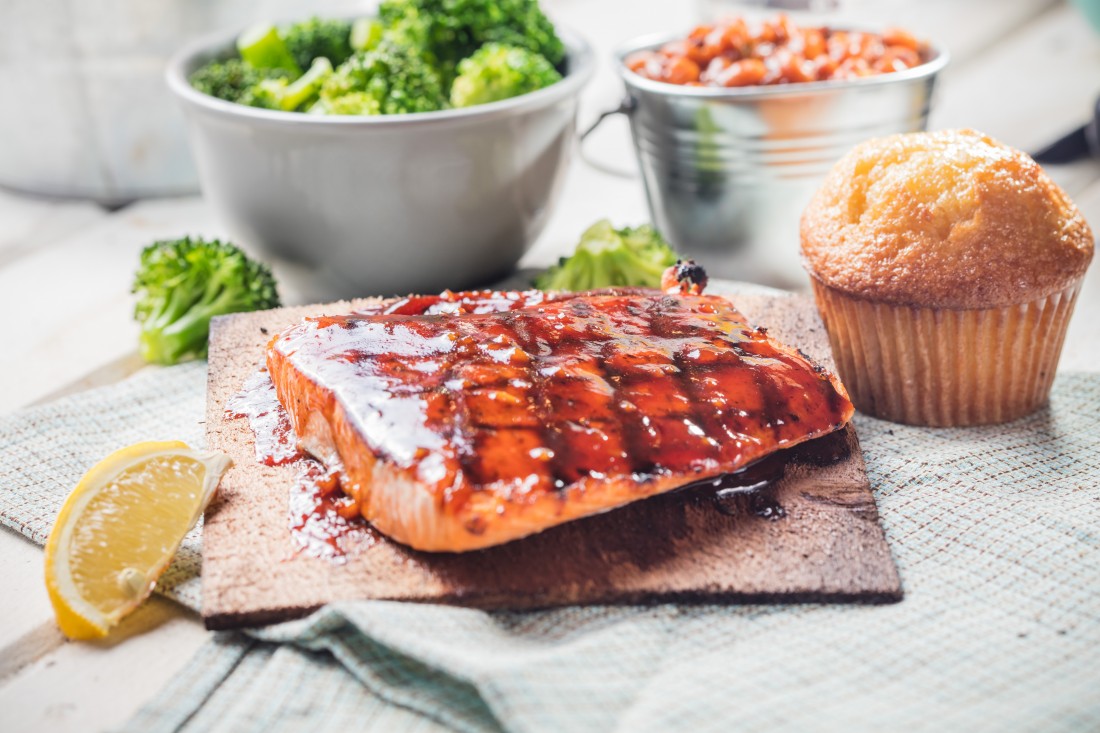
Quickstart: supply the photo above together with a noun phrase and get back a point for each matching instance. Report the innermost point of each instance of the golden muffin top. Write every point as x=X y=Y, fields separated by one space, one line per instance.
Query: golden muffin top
x=950 y=219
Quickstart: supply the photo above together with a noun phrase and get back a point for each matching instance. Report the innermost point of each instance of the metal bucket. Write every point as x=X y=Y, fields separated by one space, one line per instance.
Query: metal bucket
x=727 y=172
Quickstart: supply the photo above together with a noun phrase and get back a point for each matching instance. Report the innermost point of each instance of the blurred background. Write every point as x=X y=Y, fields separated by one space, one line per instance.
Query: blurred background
x=97 y=120
x=95 y=162
x=94 y=119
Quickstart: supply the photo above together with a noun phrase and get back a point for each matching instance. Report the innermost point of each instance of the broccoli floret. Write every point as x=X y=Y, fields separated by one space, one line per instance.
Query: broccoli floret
x=316 y=38
x=457 y=28
x=365 y=34
x=397 y=77
x=496 y=72
x=286 y=95
x=261 y=47
x=608 y=257
x=230 y=80
x=352 y=103
x=405 y=61
x=181 y=284
x=410 y=30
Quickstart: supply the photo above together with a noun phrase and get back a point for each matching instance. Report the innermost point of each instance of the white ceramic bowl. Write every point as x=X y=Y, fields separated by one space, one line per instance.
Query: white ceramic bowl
x=350 y=206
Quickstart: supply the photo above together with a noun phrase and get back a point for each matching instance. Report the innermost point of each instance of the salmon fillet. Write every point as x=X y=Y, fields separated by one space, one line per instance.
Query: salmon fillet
x=463 y=421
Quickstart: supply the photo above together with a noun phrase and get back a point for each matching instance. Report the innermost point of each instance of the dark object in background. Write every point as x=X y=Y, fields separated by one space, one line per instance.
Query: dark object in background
x=1084 y=142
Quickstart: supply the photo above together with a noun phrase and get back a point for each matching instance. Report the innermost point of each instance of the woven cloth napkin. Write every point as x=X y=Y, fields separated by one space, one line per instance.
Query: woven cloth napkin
x=996 y=532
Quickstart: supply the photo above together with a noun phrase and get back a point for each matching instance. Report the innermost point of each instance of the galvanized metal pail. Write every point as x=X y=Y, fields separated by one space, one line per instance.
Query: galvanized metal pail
x=727 y=172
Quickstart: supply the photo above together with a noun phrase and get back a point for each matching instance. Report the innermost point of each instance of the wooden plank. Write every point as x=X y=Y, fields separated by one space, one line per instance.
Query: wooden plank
x=28 y=631
x=109 y=373
x=65 y=272
x=49 y=684
x=828 y=546
x=32 y=224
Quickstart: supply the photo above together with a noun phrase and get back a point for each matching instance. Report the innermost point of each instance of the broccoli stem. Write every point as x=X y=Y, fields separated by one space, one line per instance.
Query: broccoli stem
x=637 y=269
x=365 y=34
x=158 y=344
x=262 y=48
x=180 y=330
x=187 y=337
x=307 y=86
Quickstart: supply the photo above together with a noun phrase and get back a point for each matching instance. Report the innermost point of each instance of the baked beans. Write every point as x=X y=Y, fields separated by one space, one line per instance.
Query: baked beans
x=738 y=53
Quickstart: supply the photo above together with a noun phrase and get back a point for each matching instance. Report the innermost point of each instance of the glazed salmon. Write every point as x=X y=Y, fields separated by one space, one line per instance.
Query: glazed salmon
x=463 y=421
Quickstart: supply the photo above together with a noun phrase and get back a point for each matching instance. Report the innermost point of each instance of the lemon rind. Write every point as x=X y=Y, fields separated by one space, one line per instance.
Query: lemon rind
x=77 y=618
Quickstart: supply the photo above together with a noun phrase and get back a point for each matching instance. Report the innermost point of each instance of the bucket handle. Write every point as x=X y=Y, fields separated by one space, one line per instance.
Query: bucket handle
x=626 y=107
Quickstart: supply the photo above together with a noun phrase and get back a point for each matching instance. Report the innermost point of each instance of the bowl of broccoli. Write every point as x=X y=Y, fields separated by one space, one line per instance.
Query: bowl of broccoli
x=416 y=150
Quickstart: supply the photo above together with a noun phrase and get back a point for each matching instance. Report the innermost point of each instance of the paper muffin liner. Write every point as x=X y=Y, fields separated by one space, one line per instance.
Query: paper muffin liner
x=943 y=366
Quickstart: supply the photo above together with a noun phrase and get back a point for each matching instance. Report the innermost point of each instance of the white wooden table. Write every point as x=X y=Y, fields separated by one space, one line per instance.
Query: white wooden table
x=1025 y=71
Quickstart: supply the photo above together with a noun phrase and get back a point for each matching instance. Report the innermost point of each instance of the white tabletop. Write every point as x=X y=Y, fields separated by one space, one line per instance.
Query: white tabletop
x=1024 y=71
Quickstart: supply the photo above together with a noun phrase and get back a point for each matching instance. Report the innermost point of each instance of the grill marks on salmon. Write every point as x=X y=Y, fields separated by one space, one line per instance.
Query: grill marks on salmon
x=467 y=420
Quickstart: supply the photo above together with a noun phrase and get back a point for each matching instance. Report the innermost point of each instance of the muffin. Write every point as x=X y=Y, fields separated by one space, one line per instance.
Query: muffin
x=945 y=266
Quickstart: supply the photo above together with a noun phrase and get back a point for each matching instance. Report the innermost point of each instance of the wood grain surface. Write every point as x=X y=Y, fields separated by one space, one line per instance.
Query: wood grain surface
x=812 y=535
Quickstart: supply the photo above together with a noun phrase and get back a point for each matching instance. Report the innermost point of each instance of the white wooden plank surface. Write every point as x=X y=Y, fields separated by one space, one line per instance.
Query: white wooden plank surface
x=967 y=29
x=30 y=224
x=67 y=307
x=1019 y=73
x=28 y=630
x=1031 y=88
x=1081 y=351
x=94 y=686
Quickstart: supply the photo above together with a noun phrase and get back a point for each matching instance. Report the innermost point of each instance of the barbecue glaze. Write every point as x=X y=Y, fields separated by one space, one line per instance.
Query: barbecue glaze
x=466 y=420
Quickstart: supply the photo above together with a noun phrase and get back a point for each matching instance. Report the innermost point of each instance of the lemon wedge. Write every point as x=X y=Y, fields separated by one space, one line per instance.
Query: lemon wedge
x=120 y=527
